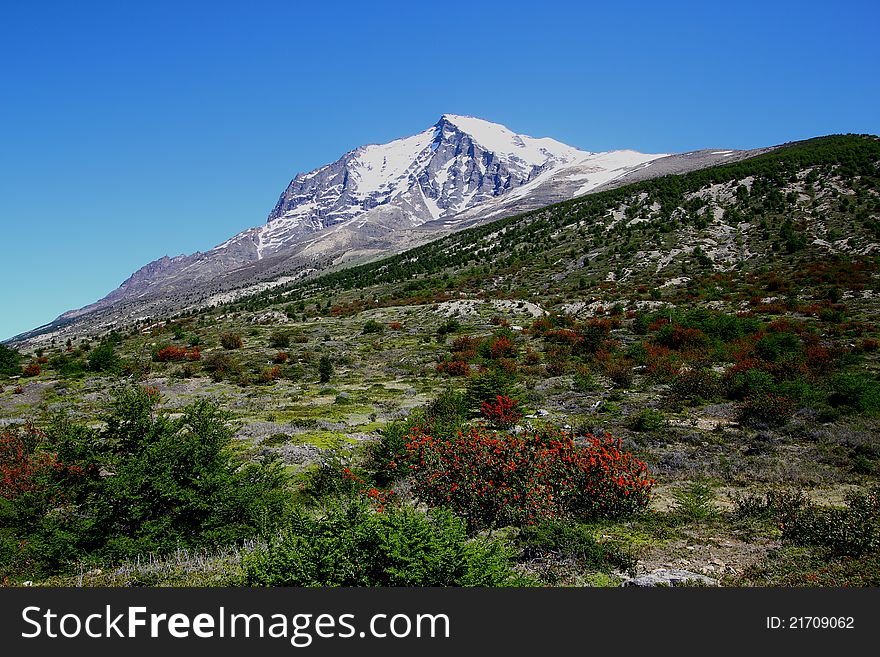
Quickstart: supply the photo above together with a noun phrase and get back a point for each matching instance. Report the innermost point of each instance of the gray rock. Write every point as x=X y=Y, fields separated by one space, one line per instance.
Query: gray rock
x=671 y=577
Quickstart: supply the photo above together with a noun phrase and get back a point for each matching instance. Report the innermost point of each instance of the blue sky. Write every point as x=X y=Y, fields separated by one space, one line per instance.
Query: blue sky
x=129 y=131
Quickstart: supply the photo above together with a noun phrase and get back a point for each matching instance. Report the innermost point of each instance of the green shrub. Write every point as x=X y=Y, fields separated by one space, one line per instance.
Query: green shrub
x=858 y=391
x=851 y=531
x=103 y=358
x=372 y=326
x=774 y=347
x=451 y=325
x=10 y=361
x=67 y=366
x=353 y=546
x=553 y=539
x=279 y=340
x=325 y=369
x=167 y=483
x=583 y=381
x=752 y=382
x=695 y=500
x=486 y=385
x=648 y=419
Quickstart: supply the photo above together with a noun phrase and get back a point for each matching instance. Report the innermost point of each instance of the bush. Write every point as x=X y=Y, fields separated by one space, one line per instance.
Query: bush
x=769 y=409
x=858 y=391
x=372 y=326
x=231 y=341
x=270 y=374
x=695 y=500
x=454 y=368
x=620 y=372
x=325 y=369
x=678 y=337
x=103 y=358
x=279 y=340
x=749 y=383
x=66 y=365
x=648 y=419
x=10 y=361
x=220 y=365
x=31 y=369
x=494 y=480
x=500 y=345
x=487 y=385
x=280 y=358
x=451 y=325
x=501 y=413
x=851 y=531
x=695 y=385
x=553 y=539
x=170 y=353
x=353 y=546
x=774 y=347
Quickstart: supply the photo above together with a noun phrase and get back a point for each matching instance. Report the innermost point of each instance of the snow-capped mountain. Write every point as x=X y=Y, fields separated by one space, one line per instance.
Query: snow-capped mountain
x=460 y=164
x=378 y=199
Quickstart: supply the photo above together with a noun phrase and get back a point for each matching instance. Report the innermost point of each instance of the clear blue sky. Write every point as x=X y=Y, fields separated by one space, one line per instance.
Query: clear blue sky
x=132 y=130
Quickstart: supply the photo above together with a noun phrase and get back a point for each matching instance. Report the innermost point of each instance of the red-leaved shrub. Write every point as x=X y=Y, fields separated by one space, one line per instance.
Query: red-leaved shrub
x=496 y=480
x=170 y=353
x=501 y=412
x=24 y=466
x=454 y=368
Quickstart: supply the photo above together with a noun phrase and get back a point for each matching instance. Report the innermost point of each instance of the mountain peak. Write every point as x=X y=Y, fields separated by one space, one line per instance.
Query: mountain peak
x=502 y=141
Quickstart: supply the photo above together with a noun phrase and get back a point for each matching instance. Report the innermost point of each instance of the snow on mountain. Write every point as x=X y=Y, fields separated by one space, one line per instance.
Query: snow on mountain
x=457 y=164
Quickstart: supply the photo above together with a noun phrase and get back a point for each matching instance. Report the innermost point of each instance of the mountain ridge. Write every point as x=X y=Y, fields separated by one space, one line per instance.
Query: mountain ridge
x=378 y=199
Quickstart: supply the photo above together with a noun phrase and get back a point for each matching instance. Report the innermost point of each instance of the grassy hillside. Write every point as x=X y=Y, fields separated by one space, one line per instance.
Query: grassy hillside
x=719 y=324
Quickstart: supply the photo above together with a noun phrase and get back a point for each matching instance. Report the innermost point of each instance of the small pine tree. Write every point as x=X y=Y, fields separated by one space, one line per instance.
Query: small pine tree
x=325 y=368
x=9 y=361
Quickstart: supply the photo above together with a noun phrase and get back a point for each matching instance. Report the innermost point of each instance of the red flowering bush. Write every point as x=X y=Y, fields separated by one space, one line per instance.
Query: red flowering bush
x=281 y=357
x=454 y=368
x=171 y=353
x=33 y=369
x=501 y=412
x=395 y=326
x=495 y=480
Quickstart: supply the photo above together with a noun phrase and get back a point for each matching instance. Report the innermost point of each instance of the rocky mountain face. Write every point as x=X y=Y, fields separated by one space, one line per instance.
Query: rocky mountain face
x=374 y=200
